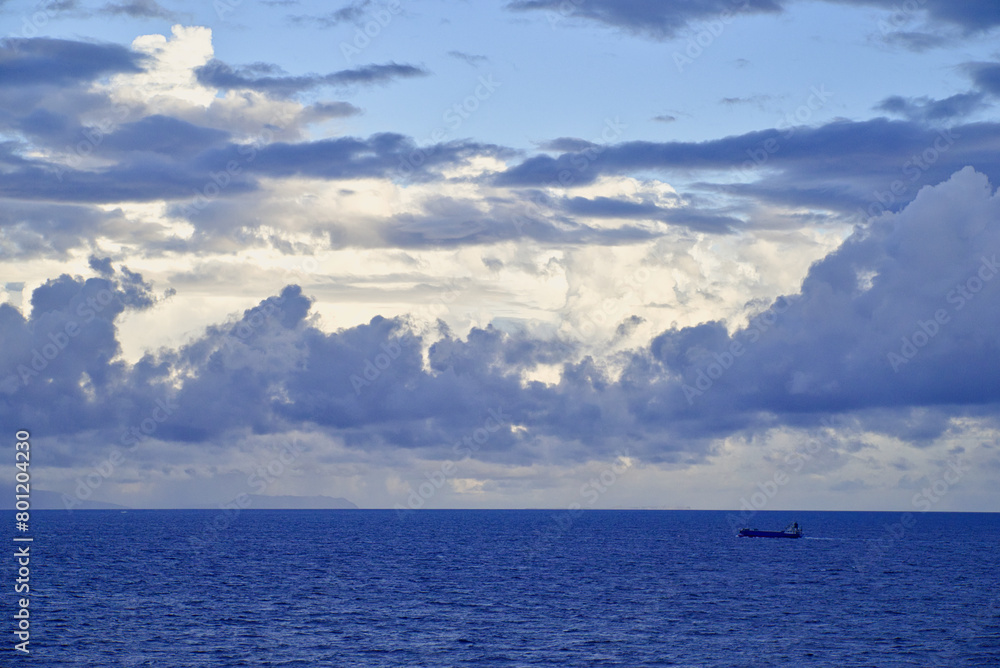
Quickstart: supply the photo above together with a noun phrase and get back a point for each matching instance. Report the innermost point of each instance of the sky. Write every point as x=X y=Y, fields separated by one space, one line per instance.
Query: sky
x=733 y=254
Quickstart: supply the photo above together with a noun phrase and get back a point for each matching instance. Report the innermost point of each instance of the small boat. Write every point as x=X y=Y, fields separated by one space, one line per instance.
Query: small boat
x=793 y=530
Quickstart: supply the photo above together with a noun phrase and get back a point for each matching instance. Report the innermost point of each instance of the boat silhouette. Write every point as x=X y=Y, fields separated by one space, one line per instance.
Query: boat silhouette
x=793 y=530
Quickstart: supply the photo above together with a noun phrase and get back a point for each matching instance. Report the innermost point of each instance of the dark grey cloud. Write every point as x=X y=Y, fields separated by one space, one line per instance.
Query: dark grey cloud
x=326 y=110
x=373 y=74
x=986 y=76
x=102 y=266
x=44 y=125
x=50 y=230
x=385 y=154
x=48 y=61
x=651 y=17
x=160 y=158
x=840 y=166
x=608 y=207
x=758 y=99
x=470 y=58
x=918 y=42
x=666 y=19
x=567 y=145
x=60 y=362
x=829 y=142
x=138 y=9
x=349 y=13
x=926 y=109
x=971 y=16
x=268 y=78
x=163 y=135
x=141 y=178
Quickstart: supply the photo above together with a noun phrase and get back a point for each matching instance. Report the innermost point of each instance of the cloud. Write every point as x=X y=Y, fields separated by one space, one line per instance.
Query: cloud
x=168 y=84
x=915 y=285
x=349 y=13
x=927 y=109
x=918 y=42
x=445 y=222
x=986 y=76
x=381 y=155
x=607 y=207
x=752 y=99
x=838 y=166
x=63 y=357
x=142 y=178
x=922 y=285
x=470 y=58
x=321 y=111
x=567 y=145
x=48 y=61
x=138 y=9
x=267 y=78
x=51 y=230
x=163 y=135
x=972 y=17
x=663 y=20
x=160 y=158
x=657 y=19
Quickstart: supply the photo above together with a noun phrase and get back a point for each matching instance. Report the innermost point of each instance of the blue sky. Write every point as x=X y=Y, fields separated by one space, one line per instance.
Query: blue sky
x=514 y=254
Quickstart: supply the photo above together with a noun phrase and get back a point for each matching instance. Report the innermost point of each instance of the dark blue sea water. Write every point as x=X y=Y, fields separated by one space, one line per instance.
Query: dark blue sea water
x=508 y=588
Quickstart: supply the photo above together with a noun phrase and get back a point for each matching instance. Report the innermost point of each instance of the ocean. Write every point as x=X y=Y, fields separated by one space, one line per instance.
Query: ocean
x=508 y=588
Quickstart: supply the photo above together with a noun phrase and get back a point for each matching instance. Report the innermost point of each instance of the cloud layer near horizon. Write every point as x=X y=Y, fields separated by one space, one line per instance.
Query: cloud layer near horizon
x=897 y=326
